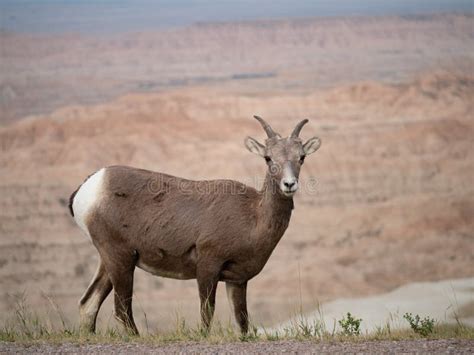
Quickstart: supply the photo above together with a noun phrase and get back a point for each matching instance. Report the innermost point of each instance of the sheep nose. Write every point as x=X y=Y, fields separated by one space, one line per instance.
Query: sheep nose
x=289 y=184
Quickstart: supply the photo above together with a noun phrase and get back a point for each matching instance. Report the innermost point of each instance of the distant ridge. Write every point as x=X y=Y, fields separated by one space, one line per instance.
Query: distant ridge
x=107 y=17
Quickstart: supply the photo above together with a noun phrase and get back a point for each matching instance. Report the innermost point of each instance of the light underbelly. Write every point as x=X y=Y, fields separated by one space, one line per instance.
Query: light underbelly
x=179 y=271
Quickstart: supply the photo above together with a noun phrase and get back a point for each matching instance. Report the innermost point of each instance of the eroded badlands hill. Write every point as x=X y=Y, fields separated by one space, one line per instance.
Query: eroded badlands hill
x=40 y=73
x=393 y=200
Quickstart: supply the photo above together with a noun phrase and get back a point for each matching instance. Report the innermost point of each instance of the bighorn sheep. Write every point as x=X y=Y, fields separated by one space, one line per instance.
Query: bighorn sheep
x=219 y=230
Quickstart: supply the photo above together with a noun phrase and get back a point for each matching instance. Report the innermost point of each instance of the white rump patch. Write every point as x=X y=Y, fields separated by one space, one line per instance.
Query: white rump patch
x=87 y=197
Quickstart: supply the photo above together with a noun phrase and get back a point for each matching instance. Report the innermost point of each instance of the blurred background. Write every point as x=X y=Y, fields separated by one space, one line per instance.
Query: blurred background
x=388 y=86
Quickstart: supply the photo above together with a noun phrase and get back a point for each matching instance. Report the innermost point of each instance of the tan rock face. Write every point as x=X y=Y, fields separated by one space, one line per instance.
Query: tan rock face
x=388 y=198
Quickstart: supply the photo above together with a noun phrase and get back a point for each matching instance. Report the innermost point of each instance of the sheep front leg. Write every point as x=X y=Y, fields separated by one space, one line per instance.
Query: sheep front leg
x=207 y=284
x=237 y=296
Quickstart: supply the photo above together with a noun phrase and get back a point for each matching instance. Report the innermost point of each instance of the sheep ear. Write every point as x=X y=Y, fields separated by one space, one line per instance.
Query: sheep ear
x=254 y=147
x=311 y=145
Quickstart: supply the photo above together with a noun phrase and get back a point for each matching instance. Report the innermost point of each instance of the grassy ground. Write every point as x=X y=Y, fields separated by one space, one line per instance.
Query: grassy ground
x=25 y=326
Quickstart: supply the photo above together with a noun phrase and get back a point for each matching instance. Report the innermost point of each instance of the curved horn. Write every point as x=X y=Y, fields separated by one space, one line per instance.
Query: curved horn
x=270 y=132
x=297 y=130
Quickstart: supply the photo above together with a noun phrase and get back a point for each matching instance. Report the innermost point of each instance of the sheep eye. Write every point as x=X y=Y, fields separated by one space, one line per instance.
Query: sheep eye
x=302 y=159
x=268 y=159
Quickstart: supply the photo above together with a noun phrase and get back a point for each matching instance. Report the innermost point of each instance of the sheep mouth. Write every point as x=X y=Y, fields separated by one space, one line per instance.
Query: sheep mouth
x=288 y=192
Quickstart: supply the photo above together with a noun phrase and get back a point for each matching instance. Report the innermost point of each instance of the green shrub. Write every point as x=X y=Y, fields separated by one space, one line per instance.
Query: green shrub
x=350 y=325
x=424 y=326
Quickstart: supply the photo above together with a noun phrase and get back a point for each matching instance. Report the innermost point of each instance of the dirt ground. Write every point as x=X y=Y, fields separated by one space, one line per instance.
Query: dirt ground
x=448 y=346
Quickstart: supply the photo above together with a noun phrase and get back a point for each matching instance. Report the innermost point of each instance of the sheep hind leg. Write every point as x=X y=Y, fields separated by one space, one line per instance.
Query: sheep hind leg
x=90 y=302
x=123 y=287
x=119 y=261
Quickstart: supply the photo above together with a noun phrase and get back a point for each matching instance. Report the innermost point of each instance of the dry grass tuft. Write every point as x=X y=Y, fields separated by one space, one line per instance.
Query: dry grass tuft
x=25 y=326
